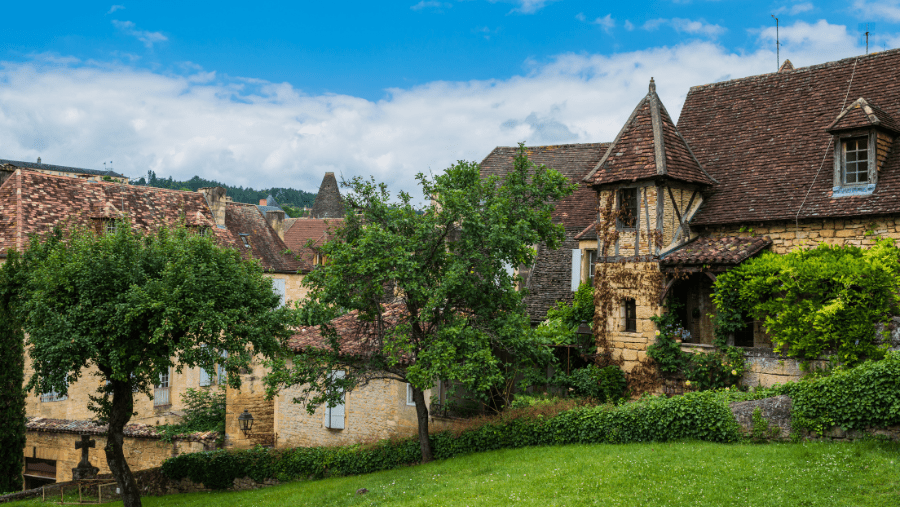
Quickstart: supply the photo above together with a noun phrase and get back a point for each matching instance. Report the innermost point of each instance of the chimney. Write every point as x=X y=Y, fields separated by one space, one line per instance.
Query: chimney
x=262 y=202
x=276 y=222
x=215 y=199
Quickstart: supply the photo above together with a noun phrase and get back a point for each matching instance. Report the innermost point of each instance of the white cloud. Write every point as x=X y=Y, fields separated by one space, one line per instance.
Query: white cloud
x=606 y=22
x=526 y=6
x=148 y=38
x=432 y=4
x=682 y=25
x=795 y=9
x=115 y=8
x=255 y=133
x=580 y=16
x=629 y=25
x=889 y=10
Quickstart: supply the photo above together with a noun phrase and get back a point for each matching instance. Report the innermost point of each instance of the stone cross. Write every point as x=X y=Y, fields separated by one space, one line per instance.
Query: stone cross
x=85 y=470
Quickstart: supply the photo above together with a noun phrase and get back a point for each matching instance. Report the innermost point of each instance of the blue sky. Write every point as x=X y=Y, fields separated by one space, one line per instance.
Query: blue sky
x=266 y=93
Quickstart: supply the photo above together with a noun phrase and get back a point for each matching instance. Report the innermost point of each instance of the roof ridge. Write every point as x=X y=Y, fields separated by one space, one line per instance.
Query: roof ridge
x=32 y=171
x=612 y=145
x=777 y=75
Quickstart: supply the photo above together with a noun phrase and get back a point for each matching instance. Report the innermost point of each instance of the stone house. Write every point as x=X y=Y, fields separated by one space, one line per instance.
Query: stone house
x=776 y=161
x=32 y=202
x=7 y=167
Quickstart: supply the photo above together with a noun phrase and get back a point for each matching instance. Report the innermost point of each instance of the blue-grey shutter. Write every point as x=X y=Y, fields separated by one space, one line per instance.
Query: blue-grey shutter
x=278 y=287
x=576 y=269
x=336 y=413
x=220 y=372
x=205 y=379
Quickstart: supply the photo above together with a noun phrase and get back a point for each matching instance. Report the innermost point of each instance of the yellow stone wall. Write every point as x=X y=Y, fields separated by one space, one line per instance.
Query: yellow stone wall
x=862 y=232
x=140 y=453
x=293 y=285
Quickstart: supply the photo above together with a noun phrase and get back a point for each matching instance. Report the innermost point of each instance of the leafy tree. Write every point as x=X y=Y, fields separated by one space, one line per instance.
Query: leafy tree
x=455 y=303
x=12 y=376
x=127 y=306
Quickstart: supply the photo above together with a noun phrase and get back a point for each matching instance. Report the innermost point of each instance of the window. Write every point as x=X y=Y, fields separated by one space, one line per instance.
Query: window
x=216 y=375
x=409 y=396
x=630 y=308
x=334 y=416
x=246 y=239
x=855 y=154
x=628 y=208
x=161 y=391
x=592 y=260
x=221 y=373
x=53 y=395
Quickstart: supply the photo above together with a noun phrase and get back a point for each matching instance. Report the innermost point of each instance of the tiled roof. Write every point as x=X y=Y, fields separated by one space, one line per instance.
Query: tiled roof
x=265 y=245
x=302 y=230
x=572 y=160
x=356 y=337
x=763 y=139
x=43 y=200
x=863 y=114
x=589 y=232
x=329 y=203
x=727 y=250
x=648 y=146
x=89 y=427
x=60 y=168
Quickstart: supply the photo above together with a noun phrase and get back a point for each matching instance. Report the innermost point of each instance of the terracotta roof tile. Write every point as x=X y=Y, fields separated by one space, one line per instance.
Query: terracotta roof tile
x=265 y=245
x=648 y=146
x=863 y=114
x=305 y=229
x=726 y=250
x=355 y=336
x=763 y=139
x=589 y=232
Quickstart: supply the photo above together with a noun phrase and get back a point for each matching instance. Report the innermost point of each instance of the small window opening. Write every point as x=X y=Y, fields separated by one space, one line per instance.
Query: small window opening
x=628 y=208
x=109 y=226
x=246 y=239
x=409 y=396
x=592 y=260
x=630 y=315
x=856 y=161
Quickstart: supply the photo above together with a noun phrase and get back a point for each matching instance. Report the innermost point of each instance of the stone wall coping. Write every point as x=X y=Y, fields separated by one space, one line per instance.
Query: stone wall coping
x=91 y=427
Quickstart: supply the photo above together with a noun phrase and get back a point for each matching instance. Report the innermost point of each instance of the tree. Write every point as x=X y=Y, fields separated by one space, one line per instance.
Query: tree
x=12 y=376
x=128 y=306
x=456 y=303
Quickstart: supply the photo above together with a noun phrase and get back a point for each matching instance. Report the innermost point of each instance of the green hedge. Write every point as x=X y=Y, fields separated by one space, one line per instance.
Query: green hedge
x=701 y=416
x=854 y=399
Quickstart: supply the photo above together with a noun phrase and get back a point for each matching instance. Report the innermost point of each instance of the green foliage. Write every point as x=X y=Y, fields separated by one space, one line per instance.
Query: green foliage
x=762 y=431
x=447 y=262
x=721 y=368
x=534 y=400
x=12 y=378
x=699 y=416
x=854 y=399
x=816 y=301
x=204 y=410
x=312 y=312
x=563 y=320
x=599 y=384
x=284 y=196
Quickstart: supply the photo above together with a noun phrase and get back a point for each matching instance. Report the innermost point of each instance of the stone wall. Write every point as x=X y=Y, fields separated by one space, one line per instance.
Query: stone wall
x=374 y=412
x=862 y=232
x=140 y=453
x=641 y=281
x=293 y=286
x=251 y=397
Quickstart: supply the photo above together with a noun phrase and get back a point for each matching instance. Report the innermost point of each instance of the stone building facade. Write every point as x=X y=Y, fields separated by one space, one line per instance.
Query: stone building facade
x=32 y=202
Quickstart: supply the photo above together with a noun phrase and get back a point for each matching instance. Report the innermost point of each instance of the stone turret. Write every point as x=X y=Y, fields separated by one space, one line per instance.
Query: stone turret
x=329 y=203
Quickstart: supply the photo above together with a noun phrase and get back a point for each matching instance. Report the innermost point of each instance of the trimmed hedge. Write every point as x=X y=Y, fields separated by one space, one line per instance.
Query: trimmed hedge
x=701 y=416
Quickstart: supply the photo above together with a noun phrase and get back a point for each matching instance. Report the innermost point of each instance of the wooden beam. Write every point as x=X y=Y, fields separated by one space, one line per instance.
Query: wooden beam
x=665 y=293
x=647 y=216
x=660 y=208
x=711 y=276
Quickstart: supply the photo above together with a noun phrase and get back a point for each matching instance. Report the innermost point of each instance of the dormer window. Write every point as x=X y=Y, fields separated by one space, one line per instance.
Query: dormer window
x=246 y=239
x=855 y=163
x=863 y=135
x=627 y=209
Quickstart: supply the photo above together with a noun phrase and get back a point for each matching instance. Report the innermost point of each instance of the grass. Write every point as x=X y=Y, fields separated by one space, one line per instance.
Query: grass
x=659 y=474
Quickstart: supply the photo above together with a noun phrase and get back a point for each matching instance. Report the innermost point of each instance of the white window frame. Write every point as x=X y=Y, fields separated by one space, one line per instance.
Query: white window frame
x=161 y=391
x=861 y=175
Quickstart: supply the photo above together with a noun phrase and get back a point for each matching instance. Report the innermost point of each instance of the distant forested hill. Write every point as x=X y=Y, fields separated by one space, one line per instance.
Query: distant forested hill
x=285 y=196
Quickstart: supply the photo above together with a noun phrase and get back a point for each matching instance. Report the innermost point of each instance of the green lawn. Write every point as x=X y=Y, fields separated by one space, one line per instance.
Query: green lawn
x=669 y=474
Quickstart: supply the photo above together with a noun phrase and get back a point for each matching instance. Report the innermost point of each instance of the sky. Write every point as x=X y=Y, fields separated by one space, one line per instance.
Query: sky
x=265 y=94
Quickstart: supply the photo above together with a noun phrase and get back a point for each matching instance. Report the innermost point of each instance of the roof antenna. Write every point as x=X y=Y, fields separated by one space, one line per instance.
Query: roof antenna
x=867 y=29
x=777 y=45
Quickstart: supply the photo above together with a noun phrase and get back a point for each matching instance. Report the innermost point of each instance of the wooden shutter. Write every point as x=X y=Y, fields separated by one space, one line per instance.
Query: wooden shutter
x=576 y=269
x=278 y=288
x=335 y=417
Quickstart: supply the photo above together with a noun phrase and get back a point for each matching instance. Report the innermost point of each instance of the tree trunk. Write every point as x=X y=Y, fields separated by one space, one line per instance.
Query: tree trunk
x=119 y=415
x=422 y=416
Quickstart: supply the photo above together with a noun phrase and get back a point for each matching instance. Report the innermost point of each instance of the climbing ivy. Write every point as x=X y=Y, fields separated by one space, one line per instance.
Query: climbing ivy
x=12 y=377
x=824 y=300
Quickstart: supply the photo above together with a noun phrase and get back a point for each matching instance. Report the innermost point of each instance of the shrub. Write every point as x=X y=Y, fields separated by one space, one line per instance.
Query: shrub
x=601 y=384
x=204 y=411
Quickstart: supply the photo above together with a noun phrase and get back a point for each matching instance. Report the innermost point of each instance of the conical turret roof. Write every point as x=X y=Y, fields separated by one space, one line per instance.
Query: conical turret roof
x=648 y=146
x=329 y=203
